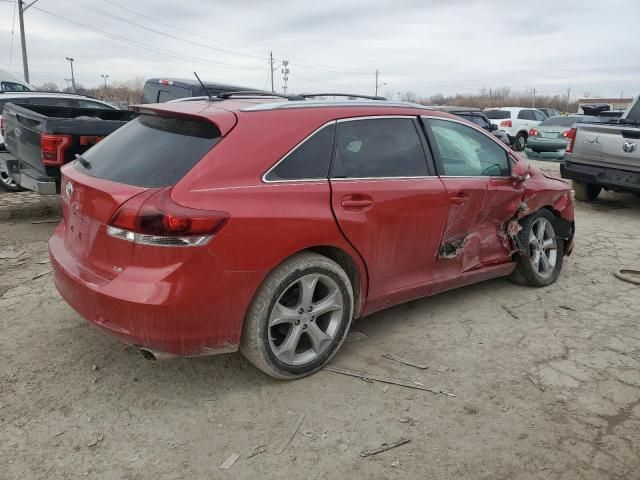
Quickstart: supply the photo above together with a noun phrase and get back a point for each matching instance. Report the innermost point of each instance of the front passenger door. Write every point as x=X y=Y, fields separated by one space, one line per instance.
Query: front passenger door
x=475 y=170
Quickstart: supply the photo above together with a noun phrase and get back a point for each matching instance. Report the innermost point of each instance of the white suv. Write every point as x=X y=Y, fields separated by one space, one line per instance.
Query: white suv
x=516 y=122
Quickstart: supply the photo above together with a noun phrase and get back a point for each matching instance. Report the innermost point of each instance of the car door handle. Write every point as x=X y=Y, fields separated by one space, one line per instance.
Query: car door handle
x=356 y=202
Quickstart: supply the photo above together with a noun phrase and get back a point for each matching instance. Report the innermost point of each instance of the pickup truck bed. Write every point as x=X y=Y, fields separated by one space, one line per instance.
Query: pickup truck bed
x=43 y=138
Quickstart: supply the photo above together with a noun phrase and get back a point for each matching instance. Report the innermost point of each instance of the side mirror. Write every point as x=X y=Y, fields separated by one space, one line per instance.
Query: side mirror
x=493 y=127
x=520 y=171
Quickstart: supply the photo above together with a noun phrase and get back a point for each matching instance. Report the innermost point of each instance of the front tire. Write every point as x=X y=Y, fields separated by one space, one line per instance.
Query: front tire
x=520 y=142
x=299 y=317
x=586 y=192
x=542 y=266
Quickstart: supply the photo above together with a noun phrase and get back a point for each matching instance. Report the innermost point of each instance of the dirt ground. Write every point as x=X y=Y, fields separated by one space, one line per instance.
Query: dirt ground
x=547 y=381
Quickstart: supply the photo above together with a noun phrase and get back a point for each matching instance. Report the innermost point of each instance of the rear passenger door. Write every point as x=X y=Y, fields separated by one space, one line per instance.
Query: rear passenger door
x=475 y=170
x=389 y=204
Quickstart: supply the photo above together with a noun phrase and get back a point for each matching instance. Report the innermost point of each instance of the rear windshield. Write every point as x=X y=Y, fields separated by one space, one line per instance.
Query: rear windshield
x=150 y=151
x=567 y=121
x=497 y=114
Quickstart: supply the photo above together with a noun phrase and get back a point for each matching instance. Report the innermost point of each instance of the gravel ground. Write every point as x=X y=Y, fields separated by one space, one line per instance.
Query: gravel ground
x=547 y=381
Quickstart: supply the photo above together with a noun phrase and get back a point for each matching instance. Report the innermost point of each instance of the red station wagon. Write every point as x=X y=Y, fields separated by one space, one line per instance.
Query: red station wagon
x=268 y=224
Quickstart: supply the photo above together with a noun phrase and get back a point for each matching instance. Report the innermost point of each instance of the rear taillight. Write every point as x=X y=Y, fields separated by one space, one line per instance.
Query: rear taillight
x=571 y=135
x=533 y=132
x=153 y=218
x=506 y=123
x=565 y=134
x=52 y=148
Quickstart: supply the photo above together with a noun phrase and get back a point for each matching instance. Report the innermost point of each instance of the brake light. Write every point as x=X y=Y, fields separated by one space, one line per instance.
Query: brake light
x=52 y=148
x=153 y=218
x=565 y=134
x=506 y=123
x=571 y=135
x=533 y=132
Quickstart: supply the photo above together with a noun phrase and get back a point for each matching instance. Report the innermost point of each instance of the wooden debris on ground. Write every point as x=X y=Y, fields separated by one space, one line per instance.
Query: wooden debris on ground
x=228 y=463
x=404 y=361
x=295 y=429
x=384 y=447
x=509 y=311
x=393 y=381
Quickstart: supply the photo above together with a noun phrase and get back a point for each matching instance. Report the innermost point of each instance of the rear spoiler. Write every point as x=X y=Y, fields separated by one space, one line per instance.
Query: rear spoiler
x=224 y=120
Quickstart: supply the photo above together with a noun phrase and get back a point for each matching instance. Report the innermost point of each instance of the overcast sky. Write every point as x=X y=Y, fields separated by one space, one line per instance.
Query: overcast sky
x=424 y=46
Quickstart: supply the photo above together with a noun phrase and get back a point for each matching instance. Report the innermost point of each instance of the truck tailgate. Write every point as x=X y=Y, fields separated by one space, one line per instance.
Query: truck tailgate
x=614 y=146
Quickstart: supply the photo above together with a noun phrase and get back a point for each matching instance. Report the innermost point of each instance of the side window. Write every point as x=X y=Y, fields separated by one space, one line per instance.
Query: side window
x=310 y=160
x=53 y=101
x=465 y=152
x=90 y=104
x=540 y=116
x=526 y=115
x=13 y=87
x=375 y=148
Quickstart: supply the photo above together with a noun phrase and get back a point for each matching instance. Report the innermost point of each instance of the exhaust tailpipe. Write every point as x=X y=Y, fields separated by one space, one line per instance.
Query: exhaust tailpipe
x=153 y=355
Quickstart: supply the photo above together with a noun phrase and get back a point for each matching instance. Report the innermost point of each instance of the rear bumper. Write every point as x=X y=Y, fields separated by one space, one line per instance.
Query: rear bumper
x=544 y=154
x=178 y=314
x=31 y=180
x=611 y=178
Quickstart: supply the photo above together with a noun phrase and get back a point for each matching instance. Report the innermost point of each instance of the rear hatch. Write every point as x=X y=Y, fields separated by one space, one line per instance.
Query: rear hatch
x=150 y=153
x=501 y=118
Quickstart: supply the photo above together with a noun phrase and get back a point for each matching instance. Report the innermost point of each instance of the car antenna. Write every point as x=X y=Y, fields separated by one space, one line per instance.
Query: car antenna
x=205 y=88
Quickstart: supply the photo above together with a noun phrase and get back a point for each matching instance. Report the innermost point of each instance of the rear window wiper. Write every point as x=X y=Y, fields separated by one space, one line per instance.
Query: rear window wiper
x=83 y=161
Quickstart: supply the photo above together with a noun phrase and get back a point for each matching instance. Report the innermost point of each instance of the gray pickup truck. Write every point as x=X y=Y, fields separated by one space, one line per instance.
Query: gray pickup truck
x=604 y=156
x=40 y=139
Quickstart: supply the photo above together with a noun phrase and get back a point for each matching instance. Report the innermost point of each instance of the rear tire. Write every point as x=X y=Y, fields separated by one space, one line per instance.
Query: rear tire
x=299 y=317
x=520 y=142
x=546 y=251
x=586 y=192
x=8 y=184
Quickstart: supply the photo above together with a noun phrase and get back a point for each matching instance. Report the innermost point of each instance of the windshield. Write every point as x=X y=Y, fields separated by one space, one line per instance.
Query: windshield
x=497 y=114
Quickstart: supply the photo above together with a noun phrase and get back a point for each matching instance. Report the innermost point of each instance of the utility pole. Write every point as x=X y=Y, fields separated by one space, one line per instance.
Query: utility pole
x=272 y=70
x=68 y=87
x=104 y=77
x=534 y=98
x=285 y=75
x=25 y=63
x=377 y=73
x=568 y=98
x=73 y=80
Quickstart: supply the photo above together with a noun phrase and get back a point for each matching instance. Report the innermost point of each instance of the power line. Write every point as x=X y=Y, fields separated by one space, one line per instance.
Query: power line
x=298 y=62
x=159 y=32
x=13 y=29
x=142 y=15
x=145 y=46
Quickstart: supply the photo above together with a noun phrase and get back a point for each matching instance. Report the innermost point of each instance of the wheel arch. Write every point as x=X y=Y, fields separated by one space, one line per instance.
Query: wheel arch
x=357 y=273
x=564 y=228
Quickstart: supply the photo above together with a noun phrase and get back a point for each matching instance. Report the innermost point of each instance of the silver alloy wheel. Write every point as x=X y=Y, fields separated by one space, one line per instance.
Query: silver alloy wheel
x=520 y=143
x=305 y=319
x=543 y=250
x=7 y=180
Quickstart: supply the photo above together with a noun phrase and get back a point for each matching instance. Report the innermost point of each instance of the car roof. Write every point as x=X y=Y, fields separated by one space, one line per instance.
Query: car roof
x=329 y=109
x=452 y=109
x=512 y=109
x=187 y=82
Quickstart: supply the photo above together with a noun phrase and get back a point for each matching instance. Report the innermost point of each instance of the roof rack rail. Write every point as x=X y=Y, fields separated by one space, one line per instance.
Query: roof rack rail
x=257 y=93
x=333 y=94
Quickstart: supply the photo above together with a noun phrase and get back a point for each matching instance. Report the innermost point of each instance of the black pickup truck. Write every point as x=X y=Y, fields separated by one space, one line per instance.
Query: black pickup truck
x=41 y=138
